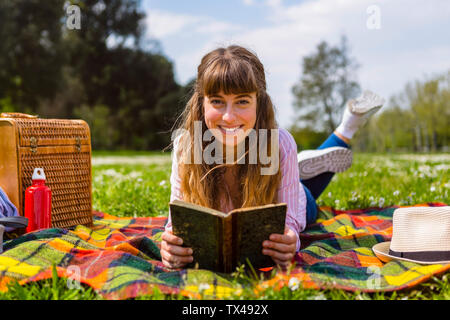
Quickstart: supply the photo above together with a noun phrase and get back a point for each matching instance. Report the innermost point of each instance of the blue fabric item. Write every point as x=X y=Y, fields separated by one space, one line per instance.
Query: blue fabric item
x=311 y=207
x=316 y=185
x=7 y=209
x=333 y=141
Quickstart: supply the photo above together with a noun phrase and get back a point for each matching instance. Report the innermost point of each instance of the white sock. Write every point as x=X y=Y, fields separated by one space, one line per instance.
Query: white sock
x=363 y=108
x=350 y=124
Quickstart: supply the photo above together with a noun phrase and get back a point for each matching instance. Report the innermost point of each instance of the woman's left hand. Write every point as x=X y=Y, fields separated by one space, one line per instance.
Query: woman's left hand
x=281 y=247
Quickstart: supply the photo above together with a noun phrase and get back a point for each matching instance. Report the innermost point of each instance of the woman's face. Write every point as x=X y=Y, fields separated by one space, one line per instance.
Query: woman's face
x=232 y=116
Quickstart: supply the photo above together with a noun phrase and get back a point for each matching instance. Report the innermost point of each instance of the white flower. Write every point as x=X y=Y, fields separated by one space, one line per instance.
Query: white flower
x=329 y=194
x=381 y=202
x=396 y=193
x=134 y=174
x=293 y=283
x=111 y=173
x=162 y=183
x=320 y=296
x=433 y=188
x=203 y=286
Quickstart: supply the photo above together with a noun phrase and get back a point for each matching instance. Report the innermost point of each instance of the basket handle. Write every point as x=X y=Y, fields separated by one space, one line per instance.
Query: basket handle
x=17 y=115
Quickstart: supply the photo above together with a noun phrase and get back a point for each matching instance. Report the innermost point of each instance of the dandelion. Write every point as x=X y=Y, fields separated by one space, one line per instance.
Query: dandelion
x=293 y=283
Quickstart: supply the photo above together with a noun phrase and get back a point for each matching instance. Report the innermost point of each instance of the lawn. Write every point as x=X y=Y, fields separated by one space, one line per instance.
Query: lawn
x=138 y=184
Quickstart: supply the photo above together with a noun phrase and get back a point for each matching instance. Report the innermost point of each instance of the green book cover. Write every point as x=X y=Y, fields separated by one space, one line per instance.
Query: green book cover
x=222 y=241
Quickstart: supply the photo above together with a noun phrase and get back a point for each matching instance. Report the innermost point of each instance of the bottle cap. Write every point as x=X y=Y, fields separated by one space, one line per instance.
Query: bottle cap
x=38 y=174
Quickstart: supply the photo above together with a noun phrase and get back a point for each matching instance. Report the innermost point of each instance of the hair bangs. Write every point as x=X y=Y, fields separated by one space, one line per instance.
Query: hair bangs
x=230 y=76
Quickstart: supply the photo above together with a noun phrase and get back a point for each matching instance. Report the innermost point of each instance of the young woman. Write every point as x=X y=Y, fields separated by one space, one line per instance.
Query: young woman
x=230 y=98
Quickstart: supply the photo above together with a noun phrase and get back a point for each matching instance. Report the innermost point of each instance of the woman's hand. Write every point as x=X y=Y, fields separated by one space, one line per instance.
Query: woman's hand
x=172 y=253
x=281 y=247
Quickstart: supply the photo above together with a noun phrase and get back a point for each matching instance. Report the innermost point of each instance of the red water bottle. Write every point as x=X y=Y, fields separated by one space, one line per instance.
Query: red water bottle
x=38 y=202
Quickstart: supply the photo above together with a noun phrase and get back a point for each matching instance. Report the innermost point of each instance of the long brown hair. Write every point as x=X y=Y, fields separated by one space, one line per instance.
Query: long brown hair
x=232 y=70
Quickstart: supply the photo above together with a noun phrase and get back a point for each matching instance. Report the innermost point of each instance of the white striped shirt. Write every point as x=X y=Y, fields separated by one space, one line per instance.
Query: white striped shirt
x=290 y=190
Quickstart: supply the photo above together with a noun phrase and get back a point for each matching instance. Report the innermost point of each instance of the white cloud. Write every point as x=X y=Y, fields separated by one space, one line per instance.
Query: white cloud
x=161 y=24
x=273 y=3
x=410 y=43
x=248 y=2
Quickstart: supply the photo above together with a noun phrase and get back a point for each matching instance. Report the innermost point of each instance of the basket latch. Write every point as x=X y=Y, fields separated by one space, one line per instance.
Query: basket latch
x=33 y=144
x=78 y=144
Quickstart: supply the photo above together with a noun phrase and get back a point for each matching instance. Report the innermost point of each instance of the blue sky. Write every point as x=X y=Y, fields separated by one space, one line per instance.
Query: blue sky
x=411 y=43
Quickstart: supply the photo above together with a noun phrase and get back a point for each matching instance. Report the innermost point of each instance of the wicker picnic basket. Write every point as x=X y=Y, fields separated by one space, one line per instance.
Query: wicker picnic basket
x=63 y=149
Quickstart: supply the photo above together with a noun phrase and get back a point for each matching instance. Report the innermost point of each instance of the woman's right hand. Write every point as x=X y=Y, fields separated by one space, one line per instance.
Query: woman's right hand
x=172 y=253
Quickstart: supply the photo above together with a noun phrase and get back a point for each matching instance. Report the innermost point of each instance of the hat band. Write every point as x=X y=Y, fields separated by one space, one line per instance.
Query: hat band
x=428 y=256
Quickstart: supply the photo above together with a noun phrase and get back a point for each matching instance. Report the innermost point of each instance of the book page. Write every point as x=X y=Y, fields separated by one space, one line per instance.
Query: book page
x=251 y=227
x=197 y=207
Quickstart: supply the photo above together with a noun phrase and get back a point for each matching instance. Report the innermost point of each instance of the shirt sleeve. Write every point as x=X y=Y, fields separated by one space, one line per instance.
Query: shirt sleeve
x=290 y=190
x=175 y=183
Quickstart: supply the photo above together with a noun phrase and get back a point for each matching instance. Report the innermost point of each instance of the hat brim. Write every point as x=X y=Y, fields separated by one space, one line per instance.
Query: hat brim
x=381 y=250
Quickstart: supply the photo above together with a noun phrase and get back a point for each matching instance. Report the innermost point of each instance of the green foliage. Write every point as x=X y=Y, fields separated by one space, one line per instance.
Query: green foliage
x=31 y=51
x=307 y=138
x=132 y=190
x=99 y=73
x=416 y=119
x=326 y=84
x=51 y=289
x=99 y=120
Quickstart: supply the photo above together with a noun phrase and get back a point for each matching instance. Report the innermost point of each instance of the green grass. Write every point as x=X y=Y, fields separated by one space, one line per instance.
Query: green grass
x=125 y=189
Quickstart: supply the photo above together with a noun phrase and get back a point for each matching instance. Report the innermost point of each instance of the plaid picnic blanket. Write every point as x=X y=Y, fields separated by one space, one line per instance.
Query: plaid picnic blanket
x=120 y=258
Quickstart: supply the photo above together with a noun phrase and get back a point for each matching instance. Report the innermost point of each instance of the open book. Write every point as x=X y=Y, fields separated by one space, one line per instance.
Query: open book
x=222 y=241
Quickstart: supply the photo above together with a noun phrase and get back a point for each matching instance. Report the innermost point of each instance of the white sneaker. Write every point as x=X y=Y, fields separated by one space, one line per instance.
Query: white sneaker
x=366 y=105
x=311 y=163
x=358 y=111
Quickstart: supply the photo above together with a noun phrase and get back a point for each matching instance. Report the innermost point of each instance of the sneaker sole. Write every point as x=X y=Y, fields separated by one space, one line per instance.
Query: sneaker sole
x=337 y=160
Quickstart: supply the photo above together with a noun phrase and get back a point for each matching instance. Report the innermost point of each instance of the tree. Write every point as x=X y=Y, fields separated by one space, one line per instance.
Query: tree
x=99 y=72
x=416 y=119
x=327 y=83
x=31 y=51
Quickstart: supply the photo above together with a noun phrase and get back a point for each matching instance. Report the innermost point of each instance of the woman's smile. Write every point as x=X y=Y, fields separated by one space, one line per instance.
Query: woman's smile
x=234 y=115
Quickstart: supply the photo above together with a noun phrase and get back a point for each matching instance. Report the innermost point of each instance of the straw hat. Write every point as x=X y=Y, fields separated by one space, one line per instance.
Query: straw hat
x=420 y=235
